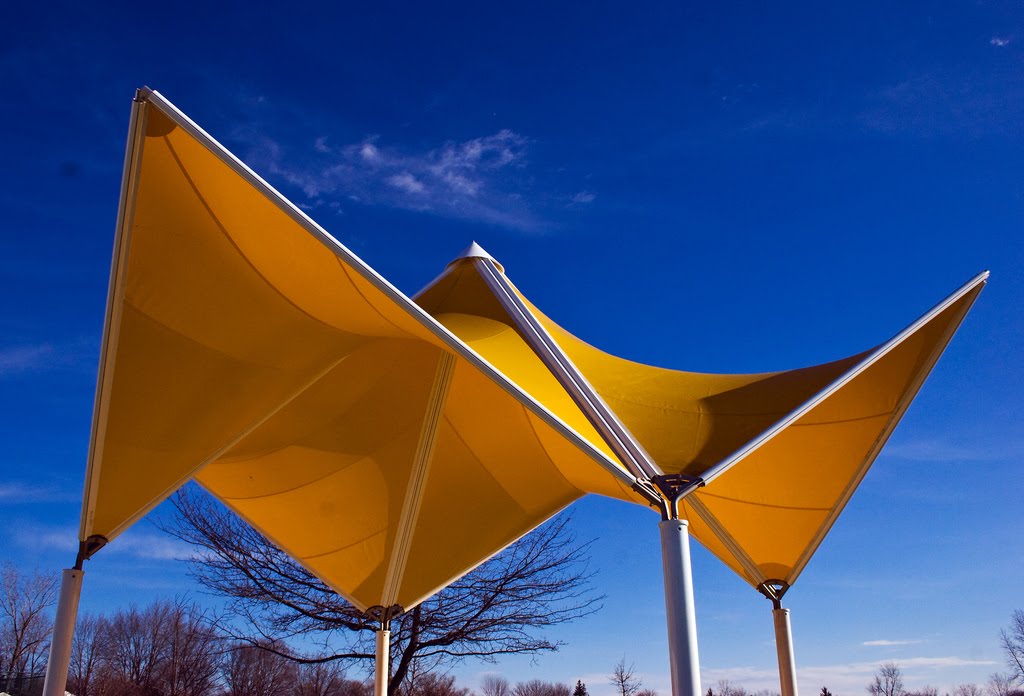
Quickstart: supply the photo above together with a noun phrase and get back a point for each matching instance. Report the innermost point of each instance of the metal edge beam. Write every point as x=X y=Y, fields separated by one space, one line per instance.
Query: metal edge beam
x=717 y=470
x=609 y=427
x=879 y=443
x=342 y=252
x=112 y=315
x=418 y=479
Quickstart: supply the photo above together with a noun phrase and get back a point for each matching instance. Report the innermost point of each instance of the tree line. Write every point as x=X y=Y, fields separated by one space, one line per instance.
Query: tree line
x=178 y=648
x=888 y=680
x=280 y=624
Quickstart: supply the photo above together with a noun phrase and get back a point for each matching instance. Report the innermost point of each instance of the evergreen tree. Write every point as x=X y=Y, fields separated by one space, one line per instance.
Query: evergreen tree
x=581 y=689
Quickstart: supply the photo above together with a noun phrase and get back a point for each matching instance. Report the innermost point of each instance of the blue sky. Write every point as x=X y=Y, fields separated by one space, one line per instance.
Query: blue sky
x=714 y=187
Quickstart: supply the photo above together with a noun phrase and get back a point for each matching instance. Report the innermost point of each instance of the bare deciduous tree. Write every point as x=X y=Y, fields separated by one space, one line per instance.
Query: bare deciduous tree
x=494 y=685
x=1012 y=640
x=536 y=687
x=497 y=609
x=324 y=679
x=433 y=684
x=250 y=670
x=167 y=648
x=624 y=679
x=968 y=690
x=25 y=625
x=192 y=646
x=1003 y=684
x=727 y=688
x=888 y=681
x=926 y=690
x=86 y=655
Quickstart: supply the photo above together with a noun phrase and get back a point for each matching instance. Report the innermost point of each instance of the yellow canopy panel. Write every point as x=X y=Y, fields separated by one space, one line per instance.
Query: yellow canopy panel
x=246 y=348
x=779 y=453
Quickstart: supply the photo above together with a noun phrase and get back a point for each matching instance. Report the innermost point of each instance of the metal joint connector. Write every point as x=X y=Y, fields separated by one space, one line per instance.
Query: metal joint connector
x=383 y=615
x=774 y=590
x=87 y=548
x=671 y=485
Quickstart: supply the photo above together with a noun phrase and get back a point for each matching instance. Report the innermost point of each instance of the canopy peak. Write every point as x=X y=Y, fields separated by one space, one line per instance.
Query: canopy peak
x=475 y=251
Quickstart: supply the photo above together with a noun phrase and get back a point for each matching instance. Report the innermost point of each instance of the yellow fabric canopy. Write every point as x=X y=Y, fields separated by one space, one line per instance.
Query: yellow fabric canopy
x=779 y=454
x=246 y=348
x=391 y=446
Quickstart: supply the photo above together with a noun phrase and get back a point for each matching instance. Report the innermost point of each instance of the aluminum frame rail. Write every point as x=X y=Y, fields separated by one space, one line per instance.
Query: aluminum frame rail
x=652 y=483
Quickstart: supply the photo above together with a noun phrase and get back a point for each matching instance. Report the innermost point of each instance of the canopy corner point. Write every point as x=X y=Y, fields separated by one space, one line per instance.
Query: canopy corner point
x=87 y=548
x=774 y=590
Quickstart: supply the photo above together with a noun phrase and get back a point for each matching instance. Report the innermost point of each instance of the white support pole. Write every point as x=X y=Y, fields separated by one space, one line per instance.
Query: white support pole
x=784 y=648
x=382 y=670
x=63 y=633
x=682 y=621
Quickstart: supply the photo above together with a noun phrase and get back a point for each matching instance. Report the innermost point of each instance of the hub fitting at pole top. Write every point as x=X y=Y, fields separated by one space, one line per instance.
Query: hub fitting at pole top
x=87 y=548
x=383 y=615
x=673 y=487
x=774 y=590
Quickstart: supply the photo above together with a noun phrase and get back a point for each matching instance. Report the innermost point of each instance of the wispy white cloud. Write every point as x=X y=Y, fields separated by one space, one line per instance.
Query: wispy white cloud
x=13 y=492
x=1000 y=41
x=943 y=450
x=408 y=183
x=851 y=677
x=484 y=179
x=46 y=538
x=135 y=543
x=885 y=643
x=583 y=198
x=26 y=358
x=151 y=547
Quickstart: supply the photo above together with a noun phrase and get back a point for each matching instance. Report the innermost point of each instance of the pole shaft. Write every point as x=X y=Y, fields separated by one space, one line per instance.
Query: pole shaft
x=784 y=648
x=63 y=633
x=682 y=620
x=382 y=669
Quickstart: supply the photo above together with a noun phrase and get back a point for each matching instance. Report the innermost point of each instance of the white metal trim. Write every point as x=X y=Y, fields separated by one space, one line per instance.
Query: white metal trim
x=878 y=444
x=717 y=470
x=112 y=315
x=612 y=430
x=417 y=484
x=340 y=250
